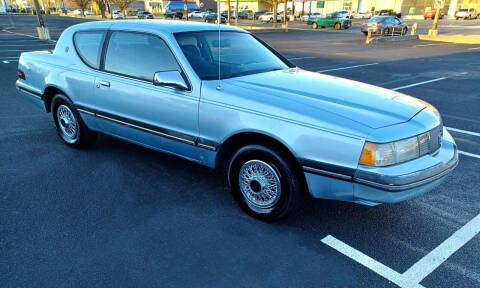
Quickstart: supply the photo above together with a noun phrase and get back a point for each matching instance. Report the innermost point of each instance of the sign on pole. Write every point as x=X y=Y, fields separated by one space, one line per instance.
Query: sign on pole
x=439 y=4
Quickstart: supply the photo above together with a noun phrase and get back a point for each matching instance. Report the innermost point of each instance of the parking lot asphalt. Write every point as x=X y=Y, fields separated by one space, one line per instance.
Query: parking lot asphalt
x=119 y=215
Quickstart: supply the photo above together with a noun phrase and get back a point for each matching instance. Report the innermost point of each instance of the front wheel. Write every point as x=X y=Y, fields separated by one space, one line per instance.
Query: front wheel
x=338 y=26
x=265 y=182
x=314 y=25
x=70 y=126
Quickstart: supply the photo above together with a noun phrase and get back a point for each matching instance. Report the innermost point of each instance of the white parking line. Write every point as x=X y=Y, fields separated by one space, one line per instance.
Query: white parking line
x=379 y=268
x=419 y=83
x=469 y=154
x=424 y=267
x=463 y=131
x=474 y=48
x=348 y=67
x=9 y=61
x=300 y=58
x=27 y=35
x=435 y=258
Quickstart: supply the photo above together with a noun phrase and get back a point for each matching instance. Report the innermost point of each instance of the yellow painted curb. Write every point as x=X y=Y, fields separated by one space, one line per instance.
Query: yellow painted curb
x=460 y=39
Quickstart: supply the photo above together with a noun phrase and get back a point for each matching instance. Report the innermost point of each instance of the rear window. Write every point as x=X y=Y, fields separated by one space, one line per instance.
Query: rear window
x=89 y=46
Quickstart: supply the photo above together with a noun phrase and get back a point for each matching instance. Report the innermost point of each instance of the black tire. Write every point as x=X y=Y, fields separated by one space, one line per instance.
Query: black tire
x=291 y=182
x=404 y=31
x=314 y=25
x=338 y=26
x=83 y=137
x=365 y=33
x=346 y=27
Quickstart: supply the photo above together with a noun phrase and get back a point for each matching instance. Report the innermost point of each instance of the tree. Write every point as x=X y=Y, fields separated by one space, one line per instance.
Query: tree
x=102 y=5
x=82 y=4
x=122 y=5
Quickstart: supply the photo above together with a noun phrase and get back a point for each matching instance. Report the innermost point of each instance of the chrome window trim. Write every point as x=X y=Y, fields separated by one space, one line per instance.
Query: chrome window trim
x=129 y=77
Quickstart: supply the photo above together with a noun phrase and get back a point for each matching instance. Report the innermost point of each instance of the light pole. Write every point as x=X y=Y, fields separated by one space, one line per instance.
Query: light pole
x=42 y=30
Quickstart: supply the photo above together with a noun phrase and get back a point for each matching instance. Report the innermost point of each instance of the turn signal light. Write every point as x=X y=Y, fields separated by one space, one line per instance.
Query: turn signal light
x=21 y=75
x=368 y=154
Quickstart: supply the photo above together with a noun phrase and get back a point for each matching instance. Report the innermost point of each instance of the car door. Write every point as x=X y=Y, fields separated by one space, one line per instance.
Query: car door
x=131 y=107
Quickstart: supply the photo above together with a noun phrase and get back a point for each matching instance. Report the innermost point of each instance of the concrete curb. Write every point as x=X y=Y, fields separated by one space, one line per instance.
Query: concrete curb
x=392 y=39
x=457 y=38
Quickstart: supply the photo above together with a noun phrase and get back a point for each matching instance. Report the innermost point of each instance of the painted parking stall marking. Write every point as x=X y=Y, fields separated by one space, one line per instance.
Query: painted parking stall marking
x=419 y=83
x=348 y=67
x=418 y=271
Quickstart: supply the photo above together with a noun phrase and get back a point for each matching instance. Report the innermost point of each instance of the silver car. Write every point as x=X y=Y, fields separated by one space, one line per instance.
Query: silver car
x=233 y=103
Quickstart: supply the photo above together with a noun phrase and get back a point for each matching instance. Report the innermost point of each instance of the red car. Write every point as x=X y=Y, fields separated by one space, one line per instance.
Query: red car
x=431 y=15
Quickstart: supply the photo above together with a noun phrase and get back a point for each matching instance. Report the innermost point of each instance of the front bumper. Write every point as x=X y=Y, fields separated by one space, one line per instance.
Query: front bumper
x=375 y=185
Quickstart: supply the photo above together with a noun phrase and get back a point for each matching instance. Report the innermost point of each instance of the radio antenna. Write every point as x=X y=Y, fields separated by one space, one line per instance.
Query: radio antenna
x=219 y=17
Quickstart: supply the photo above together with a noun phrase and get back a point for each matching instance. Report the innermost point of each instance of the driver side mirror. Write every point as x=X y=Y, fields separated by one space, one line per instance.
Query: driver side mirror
x=171 y=79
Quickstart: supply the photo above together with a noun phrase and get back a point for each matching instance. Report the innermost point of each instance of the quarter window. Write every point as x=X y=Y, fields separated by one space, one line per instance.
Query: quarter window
x=89 y=46
x=138 y=55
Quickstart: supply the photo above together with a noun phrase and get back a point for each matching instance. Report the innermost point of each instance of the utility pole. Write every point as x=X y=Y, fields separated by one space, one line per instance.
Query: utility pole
x=42 y=30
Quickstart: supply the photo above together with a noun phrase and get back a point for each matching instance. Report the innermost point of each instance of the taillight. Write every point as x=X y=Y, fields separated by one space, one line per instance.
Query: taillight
x=21 y=75
x=364 y=24
x=379 y=24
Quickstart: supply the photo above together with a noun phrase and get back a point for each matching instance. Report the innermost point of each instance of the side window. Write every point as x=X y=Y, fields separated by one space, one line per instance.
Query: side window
x=89 y=46
x=138 y=55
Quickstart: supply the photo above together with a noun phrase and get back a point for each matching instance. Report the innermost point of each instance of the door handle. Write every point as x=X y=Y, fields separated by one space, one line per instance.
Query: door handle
x=103 y=83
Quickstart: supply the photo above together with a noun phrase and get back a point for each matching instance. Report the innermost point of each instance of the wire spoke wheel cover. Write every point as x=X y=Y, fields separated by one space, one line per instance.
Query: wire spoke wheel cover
x=68 y=124
x=259 y=184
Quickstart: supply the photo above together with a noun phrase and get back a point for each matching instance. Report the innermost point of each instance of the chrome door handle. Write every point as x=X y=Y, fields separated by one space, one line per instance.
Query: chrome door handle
x=103 y=83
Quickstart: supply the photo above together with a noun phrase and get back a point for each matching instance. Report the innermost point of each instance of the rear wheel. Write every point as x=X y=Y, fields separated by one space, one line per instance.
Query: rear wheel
x=314 y=25
x=70 y=126
x=404 y=31
x=265 y=182
x=338 y=26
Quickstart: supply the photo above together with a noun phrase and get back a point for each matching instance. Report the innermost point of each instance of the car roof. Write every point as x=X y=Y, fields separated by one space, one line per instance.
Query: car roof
x=165 y=26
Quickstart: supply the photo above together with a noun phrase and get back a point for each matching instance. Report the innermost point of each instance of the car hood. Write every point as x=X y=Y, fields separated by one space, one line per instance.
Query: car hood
x=366 y=104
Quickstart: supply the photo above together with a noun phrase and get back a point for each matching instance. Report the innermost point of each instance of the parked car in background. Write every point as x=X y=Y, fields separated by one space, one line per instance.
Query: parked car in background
x=212 y=17
x=389 y=12
x=268 y=17
x=225 y=14
x=304 y=18
x=117 y=15
x=196 y=14
x=178 y=14
x=431 y=14
x=87 y=13
x=77 y=12
x=257 y=14
x=274 y=133
x=244 y=14
x=336 y=20
x=385 y=26
x=466 y=14
x=145 y=15
x=342 y=14
x=361 y=15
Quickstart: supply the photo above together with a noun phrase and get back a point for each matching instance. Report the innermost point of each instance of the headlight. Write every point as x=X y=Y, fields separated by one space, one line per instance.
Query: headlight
x=385 y=154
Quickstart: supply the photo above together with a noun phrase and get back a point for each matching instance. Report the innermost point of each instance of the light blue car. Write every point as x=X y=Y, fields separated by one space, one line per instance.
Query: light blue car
x=278 y=131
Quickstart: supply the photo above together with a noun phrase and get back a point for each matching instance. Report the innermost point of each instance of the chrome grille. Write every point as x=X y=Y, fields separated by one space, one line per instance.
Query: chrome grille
x=430 y=141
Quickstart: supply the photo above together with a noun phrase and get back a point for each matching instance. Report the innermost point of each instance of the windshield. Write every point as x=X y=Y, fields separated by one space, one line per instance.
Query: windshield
x=241 y=54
